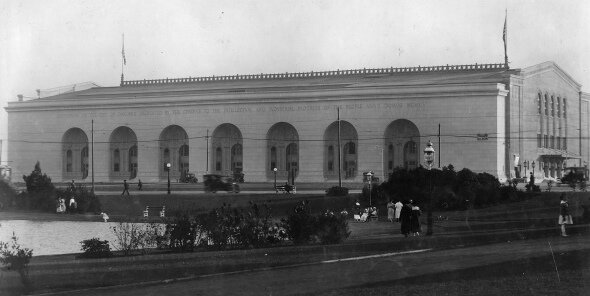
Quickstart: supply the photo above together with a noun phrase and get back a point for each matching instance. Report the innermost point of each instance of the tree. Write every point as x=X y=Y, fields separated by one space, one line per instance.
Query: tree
x=40 y=191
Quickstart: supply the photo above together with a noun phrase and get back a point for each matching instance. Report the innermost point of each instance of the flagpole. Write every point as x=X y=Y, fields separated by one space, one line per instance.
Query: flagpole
x=505 y=38
x=122 y=58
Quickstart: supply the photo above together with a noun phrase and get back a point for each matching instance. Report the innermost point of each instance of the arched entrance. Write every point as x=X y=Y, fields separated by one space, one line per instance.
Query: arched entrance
x=123 y=150
x=74 y=154
x=349 y=153
x=226 y=143
x=401 y=142
x=283 y=151
x=174 y=149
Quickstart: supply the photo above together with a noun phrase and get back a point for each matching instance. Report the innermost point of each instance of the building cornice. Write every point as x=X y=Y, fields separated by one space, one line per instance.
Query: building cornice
x=364 y=92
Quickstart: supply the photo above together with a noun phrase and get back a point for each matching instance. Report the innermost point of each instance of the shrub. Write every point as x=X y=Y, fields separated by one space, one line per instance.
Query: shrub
x=337 y=191
x=300 y=225
x=16 y=258
x=302 y=228
x=40 y=191
x=332 y=227
x=132 y=237
x=181 y=232
x=95 y=248
x=86 y=201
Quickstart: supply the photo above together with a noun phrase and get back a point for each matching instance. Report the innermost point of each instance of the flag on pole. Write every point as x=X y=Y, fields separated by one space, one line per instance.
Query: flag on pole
x=123 y=51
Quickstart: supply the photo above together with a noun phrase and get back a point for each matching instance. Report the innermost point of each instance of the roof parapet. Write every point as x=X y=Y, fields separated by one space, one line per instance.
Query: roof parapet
x=262 y=76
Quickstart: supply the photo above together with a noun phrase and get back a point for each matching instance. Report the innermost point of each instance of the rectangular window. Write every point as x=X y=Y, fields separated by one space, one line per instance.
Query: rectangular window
x=539 y=141
x=330 y=166
x=390 y=165
x=545 y=141
x=558 y=142
x=218 y=166
x=552 y=142
x=116 y=168
x=273 y=165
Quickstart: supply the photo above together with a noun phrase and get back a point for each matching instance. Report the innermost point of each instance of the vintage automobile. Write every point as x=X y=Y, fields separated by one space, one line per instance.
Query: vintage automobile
x=214 y=183
x=188 y=178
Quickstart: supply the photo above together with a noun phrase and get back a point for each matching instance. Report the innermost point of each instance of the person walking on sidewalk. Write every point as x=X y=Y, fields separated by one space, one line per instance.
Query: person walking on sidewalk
x=564 y=215
x=405 y=217
x=390 y=211
x=139 y=185
x=125 y=188
x=398 y=209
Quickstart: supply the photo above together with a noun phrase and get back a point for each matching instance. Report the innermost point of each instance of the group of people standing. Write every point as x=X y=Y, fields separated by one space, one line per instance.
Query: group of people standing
x=407 y=214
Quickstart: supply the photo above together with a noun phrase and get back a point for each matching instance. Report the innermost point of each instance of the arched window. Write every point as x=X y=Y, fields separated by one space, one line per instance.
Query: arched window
x=218 y=157
x=116 y=160
x=330 y=158
x=69 y=161
x=273 y=158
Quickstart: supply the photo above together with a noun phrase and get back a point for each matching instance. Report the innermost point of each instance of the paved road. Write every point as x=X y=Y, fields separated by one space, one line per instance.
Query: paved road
x=328 y=275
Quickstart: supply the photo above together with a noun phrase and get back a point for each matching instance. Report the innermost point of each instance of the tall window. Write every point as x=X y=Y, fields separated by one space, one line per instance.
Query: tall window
x=539 y=103
x=546 y=105
x=116 y=160
x=558 y=107
x=390 y=157
x=69 y=161
x=236 y=158
x=273 y=158
x=564 y=108
x=166 y=155
x=330 y=158
x=539 y=141
x=292 y=157
x=183 y=159
x=132 y=161
x=218 y=155
x=84 y=162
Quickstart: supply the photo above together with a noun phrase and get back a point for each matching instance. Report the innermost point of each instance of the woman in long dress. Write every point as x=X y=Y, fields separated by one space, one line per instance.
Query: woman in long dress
x=415 y=220
x=390 y=211
x=404 y=218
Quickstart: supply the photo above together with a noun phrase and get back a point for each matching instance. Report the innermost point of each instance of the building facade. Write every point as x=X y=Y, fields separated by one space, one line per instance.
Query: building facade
x=311 y=127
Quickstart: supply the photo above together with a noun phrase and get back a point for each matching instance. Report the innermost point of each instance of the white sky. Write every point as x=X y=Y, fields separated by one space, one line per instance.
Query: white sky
x=46 y=44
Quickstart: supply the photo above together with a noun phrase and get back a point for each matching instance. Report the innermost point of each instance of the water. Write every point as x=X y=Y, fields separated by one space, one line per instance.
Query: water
x=55 y=237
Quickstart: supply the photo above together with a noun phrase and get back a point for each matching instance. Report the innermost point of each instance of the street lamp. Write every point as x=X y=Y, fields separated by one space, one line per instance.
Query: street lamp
x=526 y=166
x=168 y=165
x=370 y=175
x=429 y=160
x=533 y=166
x=275 y=170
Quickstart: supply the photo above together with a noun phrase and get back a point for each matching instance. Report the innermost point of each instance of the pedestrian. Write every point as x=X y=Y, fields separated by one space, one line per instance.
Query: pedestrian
x=125 y=188
x=532 y=179
x=564 y=215
x=415 y=220
x=404 y=218
x=398 y=208
x=73 y=186
x=139 y=185
x=390 y=211
x=73 y=204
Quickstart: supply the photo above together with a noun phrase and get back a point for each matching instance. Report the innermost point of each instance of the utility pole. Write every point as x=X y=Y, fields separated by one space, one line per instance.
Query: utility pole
x=207 y=162
x=339 y=170
x=439 y=145
x=92 y=148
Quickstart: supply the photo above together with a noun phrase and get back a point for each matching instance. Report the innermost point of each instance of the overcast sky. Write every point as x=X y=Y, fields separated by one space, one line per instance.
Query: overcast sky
x=47 y=44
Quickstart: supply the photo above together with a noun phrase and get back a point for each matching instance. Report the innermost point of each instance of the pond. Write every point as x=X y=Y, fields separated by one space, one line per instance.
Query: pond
x=55 y=237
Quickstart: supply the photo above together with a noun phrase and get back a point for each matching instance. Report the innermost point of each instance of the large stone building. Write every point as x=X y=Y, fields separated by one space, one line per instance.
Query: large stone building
x=484 y=117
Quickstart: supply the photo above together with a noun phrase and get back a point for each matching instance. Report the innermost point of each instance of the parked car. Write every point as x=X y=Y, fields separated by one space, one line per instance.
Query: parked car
x=188 y=178
x=214 y=183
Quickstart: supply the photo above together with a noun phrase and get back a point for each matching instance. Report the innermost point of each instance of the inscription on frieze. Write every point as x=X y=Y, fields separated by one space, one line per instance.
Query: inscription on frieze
x=393 y=106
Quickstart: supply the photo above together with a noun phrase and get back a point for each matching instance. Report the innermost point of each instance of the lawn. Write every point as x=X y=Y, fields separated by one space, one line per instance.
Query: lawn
x=531 y=276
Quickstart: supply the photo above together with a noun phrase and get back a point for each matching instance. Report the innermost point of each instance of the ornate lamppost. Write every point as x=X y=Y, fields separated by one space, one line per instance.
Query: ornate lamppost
x=526 y=166
x=429 y=160
x=168 y=165
x=275 y=171
x=370 y=175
